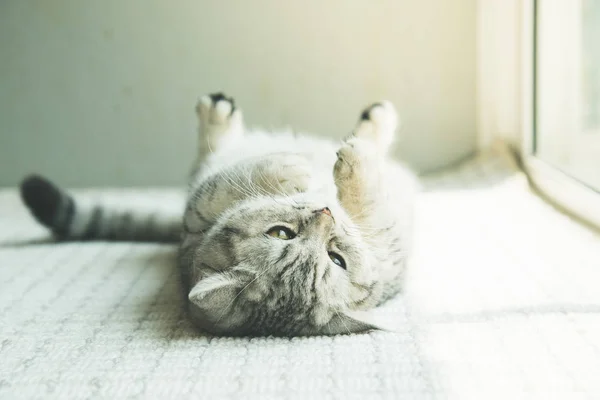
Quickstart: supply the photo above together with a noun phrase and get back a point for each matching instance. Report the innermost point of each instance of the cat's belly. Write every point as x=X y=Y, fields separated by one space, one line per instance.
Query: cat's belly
x=258 y=143
x=319 y=153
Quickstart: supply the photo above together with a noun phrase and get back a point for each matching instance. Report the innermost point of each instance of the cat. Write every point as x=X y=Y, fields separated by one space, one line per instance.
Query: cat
x=282 y=234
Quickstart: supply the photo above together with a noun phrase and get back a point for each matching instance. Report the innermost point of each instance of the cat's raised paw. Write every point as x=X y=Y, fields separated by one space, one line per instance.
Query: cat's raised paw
x=215 y=108
x=357 y=172
x=378 y=123
x=357 y=159
x=219 y=119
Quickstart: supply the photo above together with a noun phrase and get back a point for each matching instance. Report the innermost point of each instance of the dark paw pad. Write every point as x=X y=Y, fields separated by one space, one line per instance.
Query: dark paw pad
x=216 y=97
x=366 y=114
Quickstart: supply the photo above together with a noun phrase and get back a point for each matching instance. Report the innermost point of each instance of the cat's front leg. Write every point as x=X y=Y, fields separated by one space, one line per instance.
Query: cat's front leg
x=219 y=122
x=361 y=168
x=377 y=193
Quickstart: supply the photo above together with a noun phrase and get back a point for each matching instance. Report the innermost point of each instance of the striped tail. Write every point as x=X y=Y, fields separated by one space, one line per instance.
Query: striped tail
x=72 y=219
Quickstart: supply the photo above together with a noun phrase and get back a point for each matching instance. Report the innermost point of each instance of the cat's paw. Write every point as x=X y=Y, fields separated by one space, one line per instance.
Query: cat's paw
x=218 y=116
x=286 y=174
x=215 y=108
x=359 y=163
x=378 y=123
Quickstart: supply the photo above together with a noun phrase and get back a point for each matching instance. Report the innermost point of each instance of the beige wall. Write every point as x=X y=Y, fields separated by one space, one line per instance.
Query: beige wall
x=500 y=43
x=102 y=93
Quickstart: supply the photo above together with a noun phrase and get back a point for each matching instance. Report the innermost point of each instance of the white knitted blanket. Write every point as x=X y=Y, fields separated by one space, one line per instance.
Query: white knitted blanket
x=502 y=301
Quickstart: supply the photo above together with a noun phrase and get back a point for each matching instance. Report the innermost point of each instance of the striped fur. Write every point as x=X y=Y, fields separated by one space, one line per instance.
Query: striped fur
x=70 y=219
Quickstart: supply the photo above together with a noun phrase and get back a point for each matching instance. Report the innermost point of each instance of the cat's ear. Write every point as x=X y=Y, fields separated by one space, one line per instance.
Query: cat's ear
x=355 y=322
x=210 y=287
x=212 y=301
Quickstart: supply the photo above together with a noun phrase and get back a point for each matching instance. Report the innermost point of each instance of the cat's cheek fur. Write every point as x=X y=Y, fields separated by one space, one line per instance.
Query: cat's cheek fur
x=256 y=292
x=364 y=289
x=332 y=289
x=321 y=315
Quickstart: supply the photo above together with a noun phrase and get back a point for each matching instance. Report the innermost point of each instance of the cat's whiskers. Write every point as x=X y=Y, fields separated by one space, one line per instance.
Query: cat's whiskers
x=260 y=191
x=246 y=176
x=280 y=192
x=242 y=182
x=229 y=178
x=257 y=190
x=267 y=182
x=225 y=174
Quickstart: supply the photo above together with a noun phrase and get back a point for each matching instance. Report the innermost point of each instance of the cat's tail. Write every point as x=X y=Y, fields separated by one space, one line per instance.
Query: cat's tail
x=74 y=219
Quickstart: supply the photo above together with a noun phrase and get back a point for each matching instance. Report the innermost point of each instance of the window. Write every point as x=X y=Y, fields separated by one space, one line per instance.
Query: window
x=561 y=107
x=568 y=87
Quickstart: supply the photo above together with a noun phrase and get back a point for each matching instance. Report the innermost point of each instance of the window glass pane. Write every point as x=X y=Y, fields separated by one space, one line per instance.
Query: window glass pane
x=568 y=87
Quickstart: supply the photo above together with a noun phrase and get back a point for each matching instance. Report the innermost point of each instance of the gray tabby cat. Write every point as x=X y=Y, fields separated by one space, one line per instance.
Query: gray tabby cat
x=282 y=234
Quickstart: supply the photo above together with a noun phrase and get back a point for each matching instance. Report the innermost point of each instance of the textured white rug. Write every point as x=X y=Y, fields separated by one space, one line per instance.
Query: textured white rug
x=502 y=301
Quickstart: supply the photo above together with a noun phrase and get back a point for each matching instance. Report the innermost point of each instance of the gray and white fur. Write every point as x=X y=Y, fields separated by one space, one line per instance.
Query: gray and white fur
x=283 y=234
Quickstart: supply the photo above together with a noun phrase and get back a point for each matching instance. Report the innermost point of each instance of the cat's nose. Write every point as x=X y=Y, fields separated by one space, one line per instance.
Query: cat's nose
x=325 y=210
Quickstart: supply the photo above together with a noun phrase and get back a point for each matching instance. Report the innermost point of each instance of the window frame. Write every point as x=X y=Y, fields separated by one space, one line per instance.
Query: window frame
x=561 y=189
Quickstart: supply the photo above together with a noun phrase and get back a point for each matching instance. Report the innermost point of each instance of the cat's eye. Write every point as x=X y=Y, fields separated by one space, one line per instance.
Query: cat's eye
x=281 y=232
x=337 y=259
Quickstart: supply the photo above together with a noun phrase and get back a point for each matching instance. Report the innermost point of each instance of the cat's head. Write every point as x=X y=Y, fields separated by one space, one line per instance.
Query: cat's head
x=283 y=266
